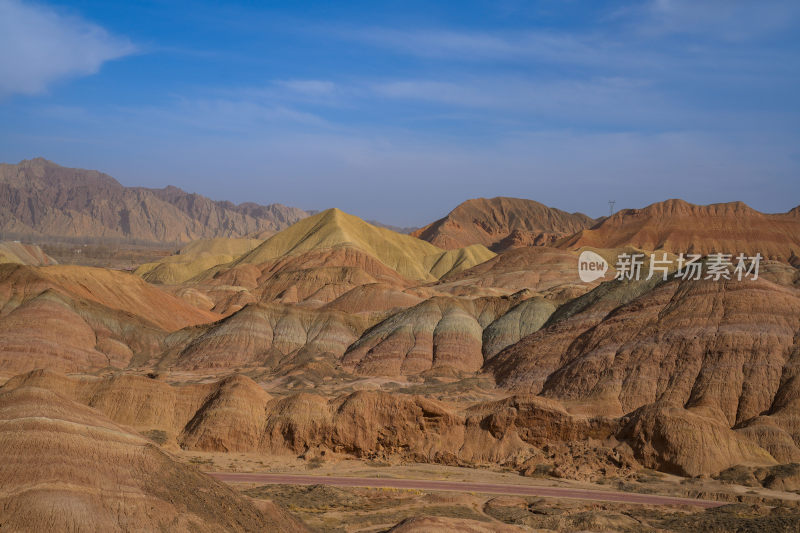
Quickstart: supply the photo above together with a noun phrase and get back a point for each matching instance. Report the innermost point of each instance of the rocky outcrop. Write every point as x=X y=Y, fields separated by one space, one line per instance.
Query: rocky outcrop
x=312 y=279
x=235 y=414
x=364 y=424
x=235 y=409
x=689 y=442
x=375 y=298
x=318 y=277
x=311 y=263
x=115 y=290
x=144 y=404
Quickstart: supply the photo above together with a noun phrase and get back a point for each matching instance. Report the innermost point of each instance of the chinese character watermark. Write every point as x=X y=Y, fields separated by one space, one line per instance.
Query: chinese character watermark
x=716 y=267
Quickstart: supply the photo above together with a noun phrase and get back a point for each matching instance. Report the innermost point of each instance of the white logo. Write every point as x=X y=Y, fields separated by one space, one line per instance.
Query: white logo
x=591 y=266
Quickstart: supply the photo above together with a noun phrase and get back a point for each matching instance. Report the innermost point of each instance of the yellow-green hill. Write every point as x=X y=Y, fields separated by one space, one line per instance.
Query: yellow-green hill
x=409 y=256
x=195 y=258
x=454 y=261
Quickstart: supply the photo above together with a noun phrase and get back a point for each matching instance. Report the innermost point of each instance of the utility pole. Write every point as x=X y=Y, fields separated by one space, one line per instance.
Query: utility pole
x=611 y=207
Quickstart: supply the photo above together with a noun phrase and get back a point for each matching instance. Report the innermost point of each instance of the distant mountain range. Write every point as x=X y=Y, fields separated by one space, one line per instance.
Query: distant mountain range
x=673 y=225
x=41 y=198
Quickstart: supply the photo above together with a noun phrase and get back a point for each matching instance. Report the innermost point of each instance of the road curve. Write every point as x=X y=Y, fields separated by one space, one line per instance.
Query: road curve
x=461 y=486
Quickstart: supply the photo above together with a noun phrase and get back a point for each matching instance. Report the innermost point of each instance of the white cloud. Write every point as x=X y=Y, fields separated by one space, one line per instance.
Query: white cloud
x=41 y=46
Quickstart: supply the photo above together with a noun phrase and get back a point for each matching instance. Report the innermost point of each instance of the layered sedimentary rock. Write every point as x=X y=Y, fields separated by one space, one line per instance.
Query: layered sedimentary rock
x=520 y=431
x=501 y=224
x=374 y=298
x=312 y=279
x=777 y=429
x=444 y=334
x=318 y=277
x=704 y=370
x=80 y=319
x=541 y=270
x=67 y=468
x=312 y=263
x=24 y=254
x=520 y=321
x=235 y=414
x=680 y=227
x=152 y=406
x=230 y=419
x=113 y=289
x=696 y=343
x=689 y=442
x=38 y=197
x=265 y=335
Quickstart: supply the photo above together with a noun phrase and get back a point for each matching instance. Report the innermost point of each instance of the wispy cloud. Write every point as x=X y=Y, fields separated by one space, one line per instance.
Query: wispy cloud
x=729 y=20
x=309 y=87
x=484 y=46
x=41 y=46
x=636 y=36
x=591 y=98
x=236 y=116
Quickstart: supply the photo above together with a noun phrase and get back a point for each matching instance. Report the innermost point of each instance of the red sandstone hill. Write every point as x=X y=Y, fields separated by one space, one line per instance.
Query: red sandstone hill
x=678 y=226
x=502 y=223
x=38 y=197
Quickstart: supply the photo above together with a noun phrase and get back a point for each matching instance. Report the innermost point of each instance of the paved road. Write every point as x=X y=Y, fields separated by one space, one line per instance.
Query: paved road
x=461 y=486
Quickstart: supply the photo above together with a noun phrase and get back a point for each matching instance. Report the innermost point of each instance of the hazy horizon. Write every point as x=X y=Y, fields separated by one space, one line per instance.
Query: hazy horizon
x=398 y=112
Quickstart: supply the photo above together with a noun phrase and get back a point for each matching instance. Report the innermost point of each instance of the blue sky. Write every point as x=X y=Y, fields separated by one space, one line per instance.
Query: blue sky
x=398 y=111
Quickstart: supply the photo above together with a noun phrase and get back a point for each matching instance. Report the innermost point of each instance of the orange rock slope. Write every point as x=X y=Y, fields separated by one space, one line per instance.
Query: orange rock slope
x=236 y=415
x=680 y=227
x=502 y=223
x=66 y=467
x=81 y=319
